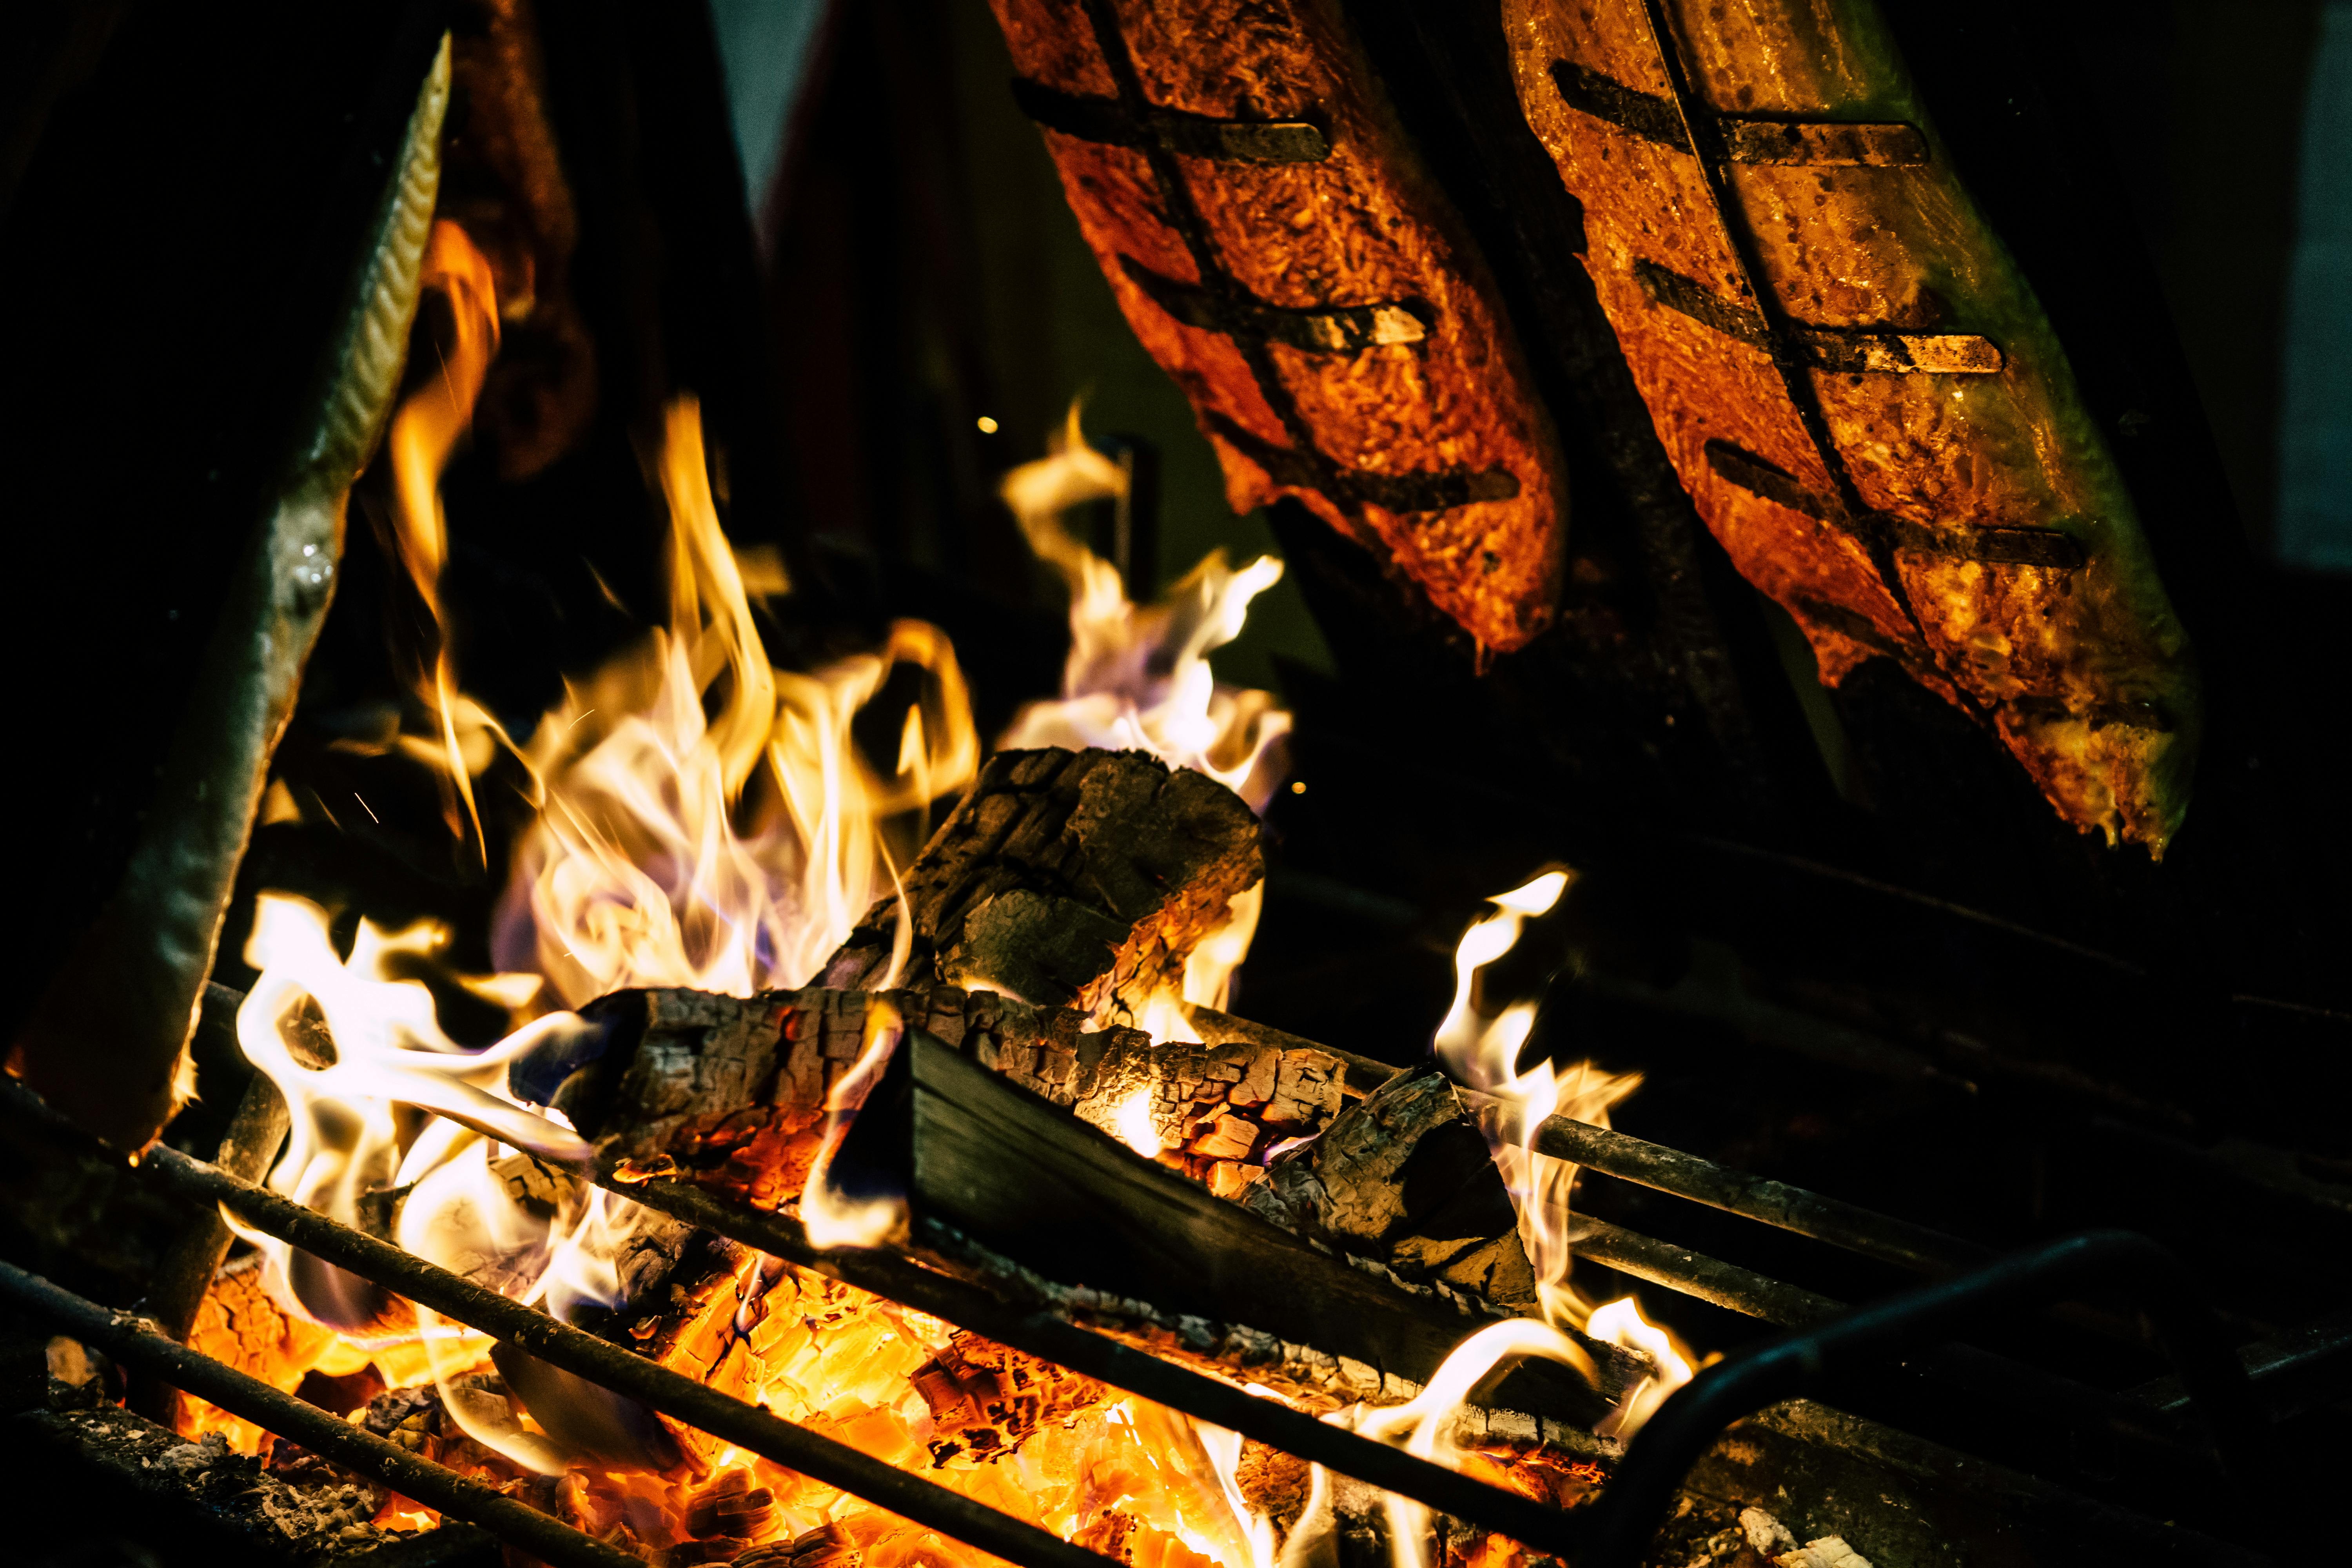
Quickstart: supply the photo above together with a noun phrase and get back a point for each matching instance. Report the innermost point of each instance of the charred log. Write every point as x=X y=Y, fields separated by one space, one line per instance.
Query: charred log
x=1068 y=879
x=733 y=1090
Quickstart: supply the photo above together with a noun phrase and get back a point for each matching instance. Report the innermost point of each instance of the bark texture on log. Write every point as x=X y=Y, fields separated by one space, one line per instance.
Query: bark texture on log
x=1068 y=878
x=1009 y=1168
x=1278 y=249
x=1405 y=1176
x=733 y=1088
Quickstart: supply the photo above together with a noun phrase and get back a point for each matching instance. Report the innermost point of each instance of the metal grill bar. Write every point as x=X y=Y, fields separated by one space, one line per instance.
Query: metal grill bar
x=129 y=1340
x=1775 y=1203
x=561 y=1345
x=1051 y=1339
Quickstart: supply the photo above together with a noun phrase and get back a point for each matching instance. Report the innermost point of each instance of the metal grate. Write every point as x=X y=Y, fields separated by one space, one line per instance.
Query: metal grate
x=1833 y=1349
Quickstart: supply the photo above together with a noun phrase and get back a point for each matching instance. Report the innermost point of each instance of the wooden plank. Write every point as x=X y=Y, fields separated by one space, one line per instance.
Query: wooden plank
x=1009 y=1168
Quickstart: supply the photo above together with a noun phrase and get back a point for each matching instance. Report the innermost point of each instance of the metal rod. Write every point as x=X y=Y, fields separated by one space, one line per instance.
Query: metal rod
x=1829 y=1356
x=1710 y=1279
x=1832 y=1220
x=129 y=1340
x=681 y=1398
x=1955 y=1375
x=1053 y=1339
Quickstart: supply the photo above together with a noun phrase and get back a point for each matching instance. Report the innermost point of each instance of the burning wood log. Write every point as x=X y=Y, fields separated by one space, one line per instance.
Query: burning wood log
x=1080 y=879
x=107 y=1044
x=733 y=1090
x=1276 y=246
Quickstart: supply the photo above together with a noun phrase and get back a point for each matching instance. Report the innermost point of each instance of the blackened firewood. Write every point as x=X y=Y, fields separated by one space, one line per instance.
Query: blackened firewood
x=733 y=1088
x=1067 y=879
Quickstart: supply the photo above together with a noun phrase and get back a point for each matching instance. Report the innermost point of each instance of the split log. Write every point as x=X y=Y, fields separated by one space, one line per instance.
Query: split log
x=733 y=1090
x=730 y=1092
x=1066 y=878
x=1005 y=1166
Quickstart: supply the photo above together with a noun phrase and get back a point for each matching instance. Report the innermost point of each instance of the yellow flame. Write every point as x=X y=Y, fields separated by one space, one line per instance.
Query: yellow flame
x=1482 y=1052
x=832 y=1216
x=634 y=873
x=1424 y=1423
x=1621 y=1323
x=637 y=871
x=1138 y=678
x=1133 y=1124
x=1250 y=1538
x=424 y=431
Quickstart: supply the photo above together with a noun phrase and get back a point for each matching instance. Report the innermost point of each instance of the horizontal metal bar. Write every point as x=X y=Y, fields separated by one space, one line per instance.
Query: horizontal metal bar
x=1952 y=1377
x=1829 y=1358
x=1820 y=143
x=1775 y=1203
x=1725 y=1285
x=129 y=1340
x=1110 y=122
x=1050 y=1338
x=1325 y=330
x=1847 y=350
x=622 y=1371
x=2293 y=1373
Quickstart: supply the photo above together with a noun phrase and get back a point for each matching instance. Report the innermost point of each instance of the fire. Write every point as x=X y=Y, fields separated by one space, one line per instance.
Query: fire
x=1483 y=1054
x=348 y=1147
x=1621 y=1323
x=1482 y=1051
x=636 y=872
x=836 y=1217
x=1138 y=677
x=1424 y=1422
x=1134 y=1126
x=705 y=819
x=424 y=431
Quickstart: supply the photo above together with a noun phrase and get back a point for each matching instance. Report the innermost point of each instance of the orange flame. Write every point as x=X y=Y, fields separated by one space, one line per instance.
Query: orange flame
x=835 y=1218
x=635 y=872
x=424 y=431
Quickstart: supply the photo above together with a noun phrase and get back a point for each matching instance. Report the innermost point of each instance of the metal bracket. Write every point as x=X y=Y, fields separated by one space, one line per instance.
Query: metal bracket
x=1433 y=490
x=1996 y=545
x=1886 y=350
x=1748 y=139
x=1110 y=122
x=1820 y=1360
x=1332 y=330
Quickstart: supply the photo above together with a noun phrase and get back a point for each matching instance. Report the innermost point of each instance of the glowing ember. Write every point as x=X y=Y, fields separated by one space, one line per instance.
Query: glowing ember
x=1425 y=1424
x=1134 y=1126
